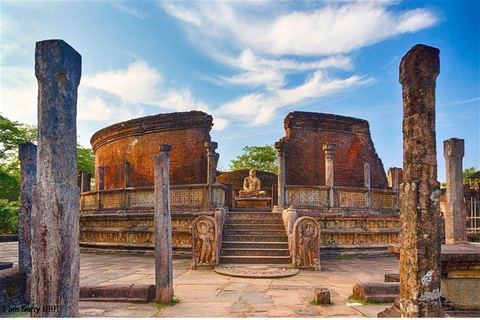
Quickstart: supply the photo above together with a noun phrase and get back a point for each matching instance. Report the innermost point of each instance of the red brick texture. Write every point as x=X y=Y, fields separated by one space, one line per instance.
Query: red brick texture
x=138 y=140
x=306 y=133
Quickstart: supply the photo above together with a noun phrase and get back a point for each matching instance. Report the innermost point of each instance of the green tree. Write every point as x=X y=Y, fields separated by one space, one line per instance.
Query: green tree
x=85 y=159
x=262 y=158
x=467 y=172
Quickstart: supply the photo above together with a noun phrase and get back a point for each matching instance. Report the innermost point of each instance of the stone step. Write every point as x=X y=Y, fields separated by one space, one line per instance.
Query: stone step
x=254 y=252
x=267 y=227
x=246 y=215
x=255 y=259
x=251 y=210
x=256 y=245
x=254 y=231
x=250 y=221
x=255 y=238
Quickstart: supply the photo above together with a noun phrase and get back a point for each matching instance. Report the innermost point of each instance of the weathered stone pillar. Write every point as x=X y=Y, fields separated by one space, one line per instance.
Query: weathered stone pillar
x=163 y=226
x=84 y=181
x=455 y=208
x=101 y=178
x=281 y=147
x=366 y=178
x=27 y=153
x=55 y=212
x=210 y=146
x=329 y=149
x=419 y=206
x=126 y=174
x=394 y=177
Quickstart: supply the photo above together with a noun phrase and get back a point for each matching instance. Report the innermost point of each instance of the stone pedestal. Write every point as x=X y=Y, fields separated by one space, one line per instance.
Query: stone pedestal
x=163 y=227
x=55 y=206
x=420 y=191
x=329 y=149
x=455 y=208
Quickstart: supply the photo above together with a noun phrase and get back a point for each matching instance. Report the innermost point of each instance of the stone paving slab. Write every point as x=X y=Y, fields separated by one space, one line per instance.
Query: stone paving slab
x=204 y=293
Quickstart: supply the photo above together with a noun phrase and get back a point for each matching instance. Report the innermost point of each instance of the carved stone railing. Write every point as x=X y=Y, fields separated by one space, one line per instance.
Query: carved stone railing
x=344 y=197
x=192 y=195
x=207 y=239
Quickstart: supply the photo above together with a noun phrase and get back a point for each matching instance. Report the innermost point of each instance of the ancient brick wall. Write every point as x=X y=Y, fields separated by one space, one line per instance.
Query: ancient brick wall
x=306 y=133
x=138 y=140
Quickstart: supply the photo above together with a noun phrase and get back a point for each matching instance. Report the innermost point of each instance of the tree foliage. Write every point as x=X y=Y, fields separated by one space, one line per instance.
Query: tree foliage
x=12 y=134
x=256 y=157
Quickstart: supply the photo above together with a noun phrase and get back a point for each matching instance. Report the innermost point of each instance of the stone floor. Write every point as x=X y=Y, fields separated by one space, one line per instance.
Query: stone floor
x=203 y=293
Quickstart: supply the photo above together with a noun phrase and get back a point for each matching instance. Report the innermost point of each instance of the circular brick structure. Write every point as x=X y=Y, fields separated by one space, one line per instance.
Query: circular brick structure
x=137 y=141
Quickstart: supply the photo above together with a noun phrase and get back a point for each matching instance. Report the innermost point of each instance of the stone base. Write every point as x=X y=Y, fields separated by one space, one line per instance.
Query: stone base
x=382 y=292
x=253 y=202
x=392 y=277
x=133 y=293
x=322 y=296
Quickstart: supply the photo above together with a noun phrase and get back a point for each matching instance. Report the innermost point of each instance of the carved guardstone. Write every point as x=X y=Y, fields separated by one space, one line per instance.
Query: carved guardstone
x=306 y=244
x=205 y=242
x=55 y=210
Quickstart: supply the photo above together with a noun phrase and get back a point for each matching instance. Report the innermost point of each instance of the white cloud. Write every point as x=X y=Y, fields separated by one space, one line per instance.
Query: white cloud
x=131 y=11
x=331 y=29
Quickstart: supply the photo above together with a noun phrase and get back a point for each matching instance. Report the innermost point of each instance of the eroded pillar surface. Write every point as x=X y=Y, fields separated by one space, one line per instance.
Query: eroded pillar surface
x=210 y=147
x=163 y=226
x=281 y=148
x=419 y=206
x=329 y=149
x=368 y=185
x=455 y=208
x=27 y=153
x=55 y=209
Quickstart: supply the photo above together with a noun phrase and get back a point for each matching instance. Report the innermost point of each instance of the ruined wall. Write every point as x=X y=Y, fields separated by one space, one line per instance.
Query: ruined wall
x=138 y=140
x=306 y=133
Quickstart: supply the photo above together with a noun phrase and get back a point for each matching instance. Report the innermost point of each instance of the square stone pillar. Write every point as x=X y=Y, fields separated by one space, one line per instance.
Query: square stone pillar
x=55 y=206
x=329 y=149
x=210 y=147
x=163 y=226
x=394 y=177
x=281 y=147
x=101 y=178
x=368 y=185
x=420 y=249
x=126 y=174
x=455 y=208
x=27 y=154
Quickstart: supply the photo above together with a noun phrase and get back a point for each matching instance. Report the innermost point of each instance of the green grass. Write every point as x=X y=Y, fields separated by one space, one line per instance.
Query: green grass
x=160 y=306
x=313 y=303
x=18 y=314
x=364 y=303
x=344 y=257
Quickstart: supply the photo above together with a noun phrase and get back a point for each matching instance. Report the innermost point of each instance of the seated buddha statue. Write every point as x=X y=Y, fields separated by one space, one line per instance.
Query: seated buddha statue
x=251 y=186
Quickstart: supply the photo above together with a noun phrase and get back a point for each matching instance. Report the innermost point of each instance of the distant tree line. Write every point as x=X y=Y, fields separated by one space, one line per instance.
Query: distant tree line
x=12 y=134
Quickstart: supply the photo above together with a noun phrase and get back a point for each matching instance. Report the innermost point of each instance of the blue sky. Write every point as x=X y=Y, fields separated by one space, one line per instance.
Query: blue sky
x=250 y=63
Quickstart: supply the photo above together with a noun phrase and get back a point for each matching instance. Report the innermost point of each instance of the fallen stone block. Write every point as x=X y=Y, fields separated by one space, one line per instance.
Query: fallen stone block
x=13 y=283
x=322 y=296
x=134 y=293
x=392 y=277
x=381 y=292
x=391 y=312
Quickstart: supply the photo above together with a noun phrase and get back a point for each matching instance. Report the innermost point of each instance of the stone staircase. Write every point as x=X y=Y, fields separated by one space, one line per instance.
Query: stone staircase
x=254 y=236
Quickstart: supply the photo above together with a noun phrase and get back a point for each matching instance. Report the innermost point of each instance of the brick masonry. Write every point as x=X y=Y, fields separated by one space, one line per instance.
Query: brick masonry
x=138 y=140
x=306 y=132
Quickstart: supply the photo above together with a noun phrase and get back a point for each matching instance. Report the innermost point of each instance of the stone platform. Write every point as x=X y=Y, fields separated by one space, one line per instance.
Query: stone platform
x=204 y=293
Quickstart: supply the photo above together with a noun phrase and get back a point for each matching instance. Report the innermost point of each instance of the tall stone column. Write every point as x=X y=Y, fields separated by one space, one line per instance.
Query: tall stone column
x=84 y=181
x=163 y=226
x=126 y=174
x=210 y=146
x=419 y=206
x=366 y=178
x=329 y=149
x=27 y=153
x=101 y=178
x=394 y=177
x=281 y=147
x=455 y=208
x=55 y=209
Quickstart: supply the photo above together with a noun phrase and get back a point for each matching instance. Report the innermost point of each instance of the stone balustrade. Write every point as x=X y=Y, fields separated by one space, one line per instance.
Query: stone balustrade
x=192 y=196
